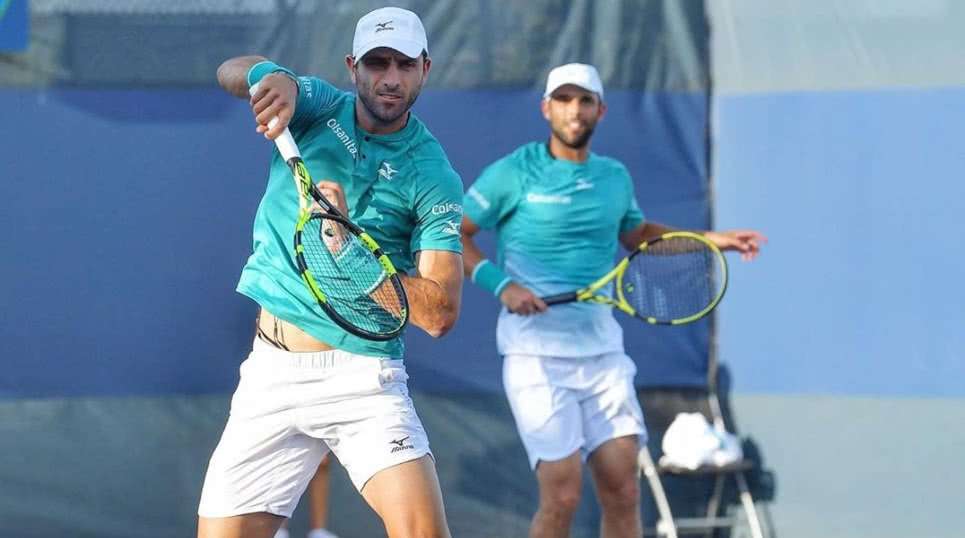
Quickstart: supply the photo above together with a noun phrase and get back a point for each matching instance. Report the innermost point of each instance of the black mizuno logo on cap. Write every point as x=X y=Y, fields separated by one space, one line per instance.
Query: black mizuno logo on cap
x=379 y=26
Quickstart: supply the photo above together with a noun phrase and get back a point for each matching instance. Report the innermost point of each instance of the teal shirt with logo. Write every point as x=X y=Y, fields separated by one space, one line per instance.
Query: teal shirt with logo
x=558 y=224
x=400 y=188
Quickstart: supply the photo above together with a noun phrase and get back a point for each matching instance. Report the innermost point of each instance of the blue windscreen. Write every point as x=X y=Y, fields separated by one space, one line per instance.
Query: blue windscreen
x=127 y=218
x=860 y=290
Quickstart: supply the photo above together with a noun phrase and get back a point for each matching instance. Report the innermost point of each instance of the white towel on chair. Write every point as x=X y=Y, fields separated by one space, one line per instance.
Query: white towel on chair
x=691 y=441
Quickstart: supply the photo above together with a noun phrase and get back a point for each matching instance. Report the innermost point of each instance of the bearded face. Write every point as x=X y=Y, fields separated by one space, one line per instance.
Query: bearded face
x=388 y=84
x=573 y=113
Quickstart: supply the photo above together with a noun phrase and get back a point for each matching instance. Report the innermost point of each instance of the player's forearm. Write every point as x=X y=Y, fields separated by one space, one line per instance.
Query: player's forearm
x=480 y=270
x=471 y=255
x=433 y=308
x=632 y=239
x=233 y=74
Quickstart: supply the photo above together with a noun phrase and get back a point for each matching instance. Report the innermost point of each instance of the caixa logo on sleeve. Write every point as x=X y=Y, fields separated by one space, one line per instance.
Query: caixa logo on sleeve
x=14 y=25
x=448 y=207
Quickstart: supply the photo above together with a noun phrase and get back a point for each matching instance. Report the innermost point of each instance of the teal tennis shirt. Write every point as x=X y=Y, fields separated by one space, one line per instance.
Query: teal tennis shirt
x=558 y=224
x=400 y=188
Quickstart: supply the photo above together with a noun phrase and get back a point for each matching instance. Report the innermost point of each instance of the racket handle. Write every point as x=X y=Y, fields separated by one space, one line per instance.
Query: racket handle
x=559 y=298
x=284 y=142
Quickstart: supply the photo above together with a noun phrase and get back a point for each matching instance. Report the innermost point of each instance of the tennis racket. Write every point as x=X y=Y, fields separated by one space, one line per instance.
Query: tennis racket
x=352 y=280
x=673 y=279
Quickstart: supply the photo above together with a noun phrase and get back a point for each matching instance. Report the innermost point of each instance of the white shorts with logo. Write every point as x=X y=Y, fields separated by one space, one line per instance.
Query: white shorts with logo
x=562 y=405
x=290 y=409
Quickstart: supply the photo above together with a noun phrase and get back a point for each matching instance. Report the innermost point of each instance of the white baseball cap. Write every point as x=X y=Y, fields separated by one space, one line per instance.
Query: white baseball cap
x=582 y=75
x=392 y=27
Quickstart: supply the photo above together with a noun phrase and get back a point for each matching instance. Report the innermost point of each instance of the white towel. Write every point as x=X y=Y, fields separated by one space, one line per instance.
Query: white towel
x=691 y=441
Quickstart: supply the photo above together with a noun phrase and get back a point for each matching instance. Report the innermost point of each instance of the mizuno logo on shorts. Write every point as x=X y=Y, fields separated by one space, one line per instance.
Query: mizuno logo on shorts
x=400 y=445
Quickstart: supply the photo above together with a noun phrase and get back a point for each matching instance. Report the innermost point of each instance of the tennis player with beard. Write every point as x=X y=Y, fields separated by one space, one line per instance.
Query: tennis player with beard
x=308 y=387
x=559 y=211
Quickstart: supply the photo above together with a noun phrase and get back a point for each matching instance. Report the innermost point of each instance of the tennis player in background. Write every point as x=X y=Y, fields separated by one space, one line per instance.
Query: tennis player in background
x=308 y=386
x=559 y=211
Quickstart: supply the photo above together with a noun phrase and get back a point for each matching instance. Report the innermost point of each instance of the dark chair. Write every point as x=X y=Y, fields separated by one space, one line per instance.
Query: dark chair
x=661 y=405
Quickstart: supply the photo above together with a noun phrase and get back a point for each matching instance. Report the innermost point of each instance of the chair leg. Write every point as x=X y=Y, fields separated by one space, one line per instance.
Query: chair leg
x=713 y=504
x=665 y=523
x=748 y=503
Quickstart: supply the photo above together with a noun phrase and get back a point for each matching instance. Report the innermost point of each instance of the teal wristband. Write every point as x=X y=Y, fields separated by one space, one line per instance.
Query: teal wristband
x=262 y=69
x=490 y=277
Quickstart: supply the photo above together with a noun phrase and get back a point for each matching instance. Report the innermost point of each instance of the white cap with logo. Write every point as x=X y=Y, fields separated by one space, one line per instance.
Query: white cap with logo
x=391 y=27
x=583 y=75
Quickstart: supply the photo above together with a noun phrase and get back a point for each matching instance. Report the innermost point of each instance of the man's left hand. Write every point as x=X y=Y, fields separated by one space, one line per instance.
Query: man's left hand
x=747 y=242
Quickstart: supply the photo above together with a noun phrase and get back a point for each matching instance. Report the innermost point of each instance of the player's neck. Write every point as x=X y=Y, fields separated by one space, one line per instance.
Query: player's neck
x=559 y=150
x=371 y=124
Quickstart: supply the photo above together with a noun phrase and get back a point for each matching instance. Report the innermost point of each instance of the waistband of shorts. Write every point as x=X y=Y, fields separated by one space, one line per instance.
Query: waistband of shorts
x=315 y=359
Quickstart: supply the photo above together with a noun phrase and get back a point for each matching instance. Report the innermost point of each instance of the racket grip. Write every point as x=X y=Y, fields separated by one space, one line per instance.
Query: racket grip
x=284 y=142
x=559 y=298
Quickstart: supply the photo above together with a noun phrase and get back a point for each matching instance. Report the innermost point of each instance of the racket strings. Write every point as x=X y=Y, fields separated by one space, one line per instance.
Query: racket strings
x=672 y=279
x=355 y=284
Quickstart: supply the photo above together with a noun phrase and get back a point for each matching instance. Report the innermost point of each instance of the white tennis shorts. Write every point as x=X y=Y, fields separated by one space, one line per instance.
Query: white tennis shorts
x=290 y=409
x=562 y=405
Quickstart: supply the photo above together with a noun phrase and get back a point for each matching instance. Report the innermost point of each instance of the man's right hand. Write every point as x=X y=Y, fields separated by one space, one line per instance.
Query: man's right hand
x=276 y=97
x=520 y=300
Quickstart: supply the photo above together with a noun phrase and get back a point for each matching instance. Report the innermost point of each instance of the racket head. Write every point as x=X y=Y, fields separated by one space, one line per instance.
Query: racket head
x=352 y=280
x=677 y=278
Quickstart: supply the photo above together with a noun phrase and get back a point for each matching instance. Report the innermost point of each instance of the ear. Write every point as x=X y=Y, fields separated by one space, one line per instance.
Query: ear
x=602 y=111
x=426 y=66
x=544 y=106
x=350 y=65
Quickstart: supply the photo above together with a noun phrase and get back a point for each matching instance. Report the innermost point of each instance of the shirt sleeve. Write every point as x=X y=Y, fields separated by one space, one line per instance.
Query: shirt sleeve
x=494 y=195
x=316 y=97
x=633 y=216
x=438 y=209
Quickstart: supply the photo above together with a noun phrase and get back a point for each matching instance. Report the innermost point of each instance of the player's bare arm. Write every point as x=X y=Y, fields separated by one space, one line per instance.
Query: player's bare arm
x=233 y=74
x=747 y=242
x=435 y=290
x=632 y=238
x=276 y=96
x=333 y=192
x=516 y=298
